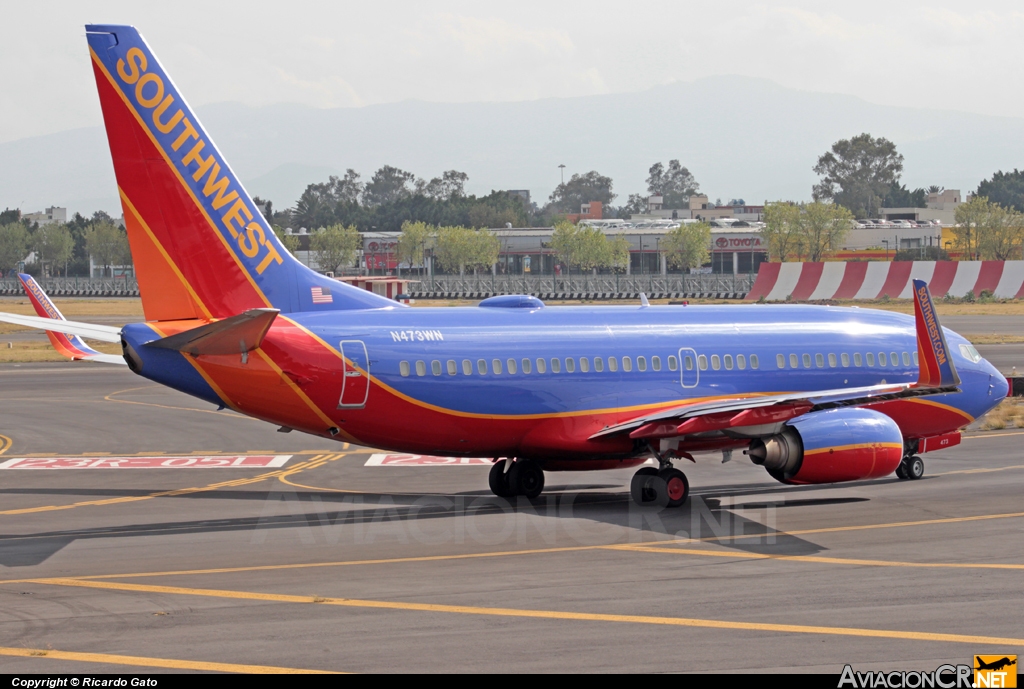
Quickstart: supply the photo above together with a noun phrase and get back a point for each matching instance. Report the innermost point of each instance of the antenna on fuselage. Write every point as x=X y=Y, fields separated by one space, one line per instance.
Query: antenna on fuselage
x=643 y=301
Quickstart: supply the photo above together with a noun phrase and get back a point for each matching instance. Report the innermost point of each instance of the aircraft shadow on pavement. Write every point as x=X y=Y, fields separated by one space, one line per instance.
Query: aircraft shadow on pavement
x=318 y=515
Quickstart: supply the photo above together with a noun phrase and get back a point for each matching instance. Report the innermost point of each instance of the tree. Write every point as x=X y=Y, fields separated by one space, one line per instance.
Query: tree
x=675 y=184
x=13 y=245
x=825 y=225
x=460 y=247
x=388 y=184
x=1005 y=188
x=587 y=248
x=450 y=185
x=618 y=250
x=636 y=205
x=970 y=220
x=53 y=244
x=580 y=189
x=782 y=231
x=857 y=172
x=107 y=244
x=290 y=241
x=898 y=196
x=334 y=246
x=319 y=204
x=413 y=241
x=687 y=246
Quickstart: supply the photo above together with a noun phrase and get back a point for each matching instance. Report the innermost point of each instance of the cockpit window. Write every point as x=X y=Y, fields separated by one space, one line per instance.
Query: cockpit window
x=970 y=353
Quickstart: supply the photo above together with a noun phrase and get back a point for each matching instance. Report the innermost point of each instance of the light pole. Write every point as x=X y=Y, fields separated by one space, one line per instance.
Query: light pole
x=561 y=173
x=886 y=242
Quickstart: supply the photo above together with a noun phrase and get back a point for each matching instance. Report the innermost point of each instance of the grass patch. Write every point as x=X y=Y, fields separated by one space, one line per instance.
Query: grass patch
x=32 y=351
x=1009 y=414
x=77 y=309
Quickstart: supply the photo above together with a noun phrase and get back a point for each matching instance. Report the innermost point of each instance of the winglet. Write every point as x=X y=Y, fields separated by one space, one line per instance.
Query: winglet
x=936 y=364
x=67 y=344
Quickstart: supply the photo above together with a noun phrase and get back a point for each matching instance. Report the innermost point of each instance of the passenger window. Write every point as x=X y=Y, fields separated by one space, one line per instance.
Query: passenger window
x=894 y=358
x=570 y=365
x=584 y=364
x=556 y=365
x=421 y=368
x=881 y=358
x=857 y=361
x=467 y=367
x=728 y=362
x=435 y=367
x=641 y=363
x=845 y=359
x=527 y=366
x=716 y=363
x=906 y=359
x=819 y=360
x=403 y=368
x=780 y=361
x=702 y=362
x=481 y=367
x=871 y=359
x=674 y=365
x=511 y=366
x=741 y=362
x=753 y=361
x=794 y=362
x=656 y=363
x=807 y=360
x=688 y=362
x=627 y=364
x=915 y=359
x=613 y=364
x=542 y=366
x=453 y=368
x=832 y=360
x=496 y=366
x=598 y=364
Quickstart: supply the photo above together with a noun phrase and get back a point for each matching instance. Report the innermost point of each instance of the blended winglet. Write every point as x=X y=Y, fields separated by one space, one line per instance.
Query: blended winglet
x=935 y=362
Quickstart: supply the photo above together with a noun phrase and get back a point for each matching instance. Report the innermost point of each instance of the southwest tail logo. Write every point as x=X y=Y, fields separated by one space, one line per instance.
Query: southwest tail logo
x=201 y=248
x=69 y=345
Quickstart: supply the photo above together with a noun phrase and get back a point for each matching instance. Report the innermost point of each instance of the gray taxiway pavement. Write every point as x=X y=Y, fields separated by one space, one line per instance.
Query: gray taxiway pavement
x=329 y=564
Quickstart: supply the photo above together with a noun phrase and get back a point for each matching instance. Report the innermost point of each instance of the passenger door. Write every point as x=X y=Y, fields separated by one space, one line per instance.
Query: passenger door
x=355 y=383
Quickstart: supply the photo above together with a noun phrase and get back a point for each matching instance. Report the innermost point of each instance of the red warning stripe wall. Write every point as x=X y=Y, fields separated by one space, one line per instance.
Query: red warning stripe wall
x=875 y=279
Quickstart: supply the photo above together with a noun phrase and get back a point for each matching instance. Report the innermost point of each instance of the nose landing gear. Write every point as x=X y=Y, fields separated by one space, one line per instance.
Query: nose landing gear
x=911 y=468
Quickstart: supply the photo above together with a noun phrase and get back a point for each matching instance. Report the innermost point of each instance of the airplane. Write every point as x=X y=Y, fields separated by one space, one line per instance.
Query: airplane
x=996 y=664
x=814 y=394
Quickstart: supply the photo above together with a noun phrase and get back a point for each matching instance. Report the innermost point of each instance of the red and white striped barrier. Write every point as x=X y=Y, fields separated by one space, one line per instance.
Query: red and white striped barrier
x=874 y=279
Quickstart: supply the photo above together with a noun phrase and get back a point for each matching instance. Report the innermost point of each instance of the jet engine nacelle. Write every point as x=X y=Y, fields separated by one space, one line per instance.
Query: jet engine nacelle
x=831 y=446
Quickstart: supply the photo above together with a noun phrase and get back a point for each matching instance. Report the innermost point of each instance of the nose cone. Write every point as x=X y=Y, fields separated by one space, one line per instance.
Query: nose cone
x=1000 y=387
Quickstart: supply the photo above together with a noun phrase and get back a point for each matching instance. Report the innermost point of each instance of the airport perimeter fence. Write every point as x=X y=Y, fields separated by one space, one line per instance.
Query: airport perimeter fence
x=75 y=287
x=712 y=286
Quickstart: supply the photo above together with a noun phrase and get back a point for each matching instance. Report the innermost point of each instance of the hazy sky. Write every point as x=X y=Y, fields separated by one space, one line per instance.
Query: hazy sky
x=950 y=55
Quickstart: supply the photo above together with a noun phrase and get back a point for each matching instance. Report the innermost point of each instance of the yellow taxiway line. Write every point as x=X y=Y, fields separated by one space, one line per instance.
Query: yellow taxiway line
x=542 y=614
x=141 y=661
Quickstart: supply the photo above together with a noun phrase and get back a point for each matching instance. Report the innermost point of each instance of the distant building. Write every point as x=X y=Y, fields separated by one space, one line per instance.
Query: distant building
x=50 y=215
x=588 y=211
x=697 y=208
x=940 y=206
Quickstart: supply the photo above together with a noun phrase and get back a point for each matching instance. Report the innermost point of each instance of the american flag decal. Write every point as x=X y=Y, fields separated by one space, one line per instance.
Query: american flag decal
x=321 y=295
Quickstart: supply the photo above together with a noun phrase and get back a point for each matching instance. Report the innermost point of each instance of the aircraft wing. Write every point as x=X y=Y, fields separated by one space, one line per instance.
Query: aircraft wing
x=65 y=336
x=936 y=376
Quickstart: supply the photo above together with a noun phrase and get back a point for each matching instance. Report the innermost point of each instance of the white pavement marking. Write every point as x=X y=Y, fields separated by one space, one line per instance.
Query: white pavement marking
x=155 y=462
x=379 y=460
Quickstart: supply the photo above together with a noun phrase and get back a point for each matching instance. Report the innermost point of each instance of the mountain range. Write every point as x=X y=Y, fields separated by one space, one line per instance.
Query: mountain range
x=741 y=138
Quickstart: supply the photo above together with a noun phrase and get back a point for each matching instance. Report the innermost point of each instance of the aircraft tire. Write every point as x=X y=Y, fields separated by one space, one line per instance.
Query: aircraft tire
x=526 y=478
x=915 y=468
x=498 y=480
x=673 y=488
x=901 y=470
x=638 y=487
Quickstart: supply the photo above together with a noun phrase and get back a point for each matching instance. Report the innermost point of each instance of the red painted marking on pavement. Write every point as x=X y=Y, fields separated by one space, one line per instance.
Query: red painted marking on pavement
x=166 y=462
x=378 y=460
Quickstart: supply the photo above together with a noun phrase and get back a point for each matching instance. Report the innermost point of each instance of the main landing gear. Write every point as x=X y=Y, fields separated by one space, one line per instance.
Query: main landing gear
x=911 y=468
x=664 y=487
x=524 y=477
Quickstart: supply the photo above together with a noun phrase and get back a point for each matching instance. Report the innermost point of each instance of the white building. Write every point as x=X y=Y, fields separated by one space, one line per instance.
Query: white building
x=50 y=215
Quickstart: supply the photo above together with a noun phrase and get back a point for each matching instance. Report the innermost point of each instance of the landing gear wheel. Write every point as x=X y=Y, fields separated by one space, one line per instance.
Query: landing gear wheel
x=526 y=478
x=638 y=487
x=915 y=468
x=673 y=488
x=498 y=480
x=901 y=470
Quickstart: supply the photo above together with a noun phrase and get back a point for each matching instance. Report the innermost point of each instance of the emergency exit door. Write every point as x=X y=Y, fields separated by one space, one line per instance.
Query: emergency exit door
x=689 y=368
x=355 y=384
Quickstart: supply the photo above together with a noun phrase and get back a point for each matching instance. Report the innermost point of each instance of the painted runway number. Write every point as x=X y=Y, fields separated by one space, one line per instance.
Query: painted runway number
x=186 y=462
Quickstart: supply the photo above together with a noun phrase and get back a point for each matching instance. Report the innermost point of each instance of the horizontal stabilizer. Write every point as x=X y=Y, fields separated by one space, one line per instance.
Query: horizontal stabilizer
x=235 y=335
x=103 y=333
